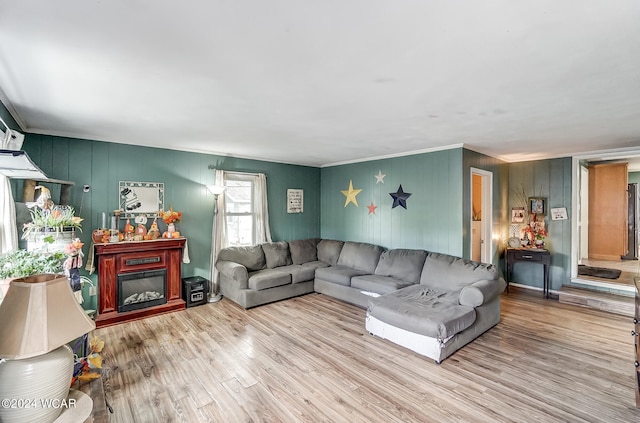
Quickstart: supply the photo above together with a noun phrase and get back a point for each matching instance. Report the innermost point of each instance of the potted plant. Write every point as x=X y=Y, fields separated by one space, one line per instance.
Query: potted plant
x=21 y=263
x=51 y=229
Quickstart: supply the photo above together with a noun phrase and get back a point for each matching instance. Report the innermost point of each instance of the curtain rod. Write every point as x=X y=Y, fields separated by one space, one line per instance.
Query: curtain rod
x=231 y=172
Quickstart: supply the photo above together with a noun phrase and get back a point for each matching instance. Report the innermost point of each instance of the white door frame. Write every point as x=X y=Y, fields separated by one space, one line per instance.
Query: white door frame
x=486 y=246
x=614 y=154
x=583 y=214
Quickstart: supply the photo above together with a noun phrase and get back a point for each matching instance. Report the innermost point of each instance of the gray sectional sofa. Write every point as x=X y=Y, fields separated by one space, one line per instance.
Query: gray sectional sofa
x=429 y=302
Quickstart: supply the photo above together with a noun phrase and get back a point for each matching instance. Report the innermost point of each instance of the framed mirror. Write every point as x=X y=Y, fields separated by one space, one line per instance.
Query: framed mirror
x=140 y=198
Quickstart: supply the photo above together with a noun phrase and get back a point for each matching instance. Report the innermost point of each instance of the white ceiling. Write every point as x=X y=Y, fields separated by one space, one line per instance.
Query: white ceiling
x=326 y=82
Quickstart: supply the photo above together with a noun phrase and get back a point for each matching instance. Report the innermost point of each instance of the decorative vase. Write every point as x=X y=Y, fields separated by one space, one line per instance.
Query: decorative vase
x=171 y=228
x=44 y=377
x=539 y=243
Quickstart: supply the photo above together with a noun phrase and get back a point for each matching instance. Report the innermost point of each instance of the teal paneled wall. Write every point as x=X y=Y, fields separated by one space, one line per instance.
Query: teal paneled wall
x=550 y=179
x=8 y=119
x=102 y=165
x=432 y=220
x=500 y=171
x=634 y=177
x=437 y=218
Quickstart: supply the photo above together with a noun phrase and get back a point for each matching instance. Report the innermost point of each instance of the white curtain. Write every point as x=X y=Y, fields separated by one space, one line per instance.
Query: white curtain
x=219 y=229
x=261 y=209
x=8 y=229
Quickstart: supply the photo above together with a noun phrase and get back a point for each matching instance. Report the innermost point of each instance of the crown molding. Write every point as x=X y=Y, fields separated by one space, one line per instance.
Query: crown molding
x=12 y=111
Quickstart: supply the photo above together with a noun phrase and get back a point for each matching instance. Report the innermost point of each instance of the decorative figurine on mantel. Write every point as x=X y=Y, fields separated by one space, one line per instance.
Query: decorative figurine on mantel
x=129 y=231
x=141 y=231
x=153 y=232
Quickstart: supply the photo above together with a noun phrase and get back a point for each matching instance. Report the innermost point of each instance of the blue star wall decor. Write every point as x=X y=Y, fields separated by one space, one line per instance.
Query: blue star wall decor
x=399 y=198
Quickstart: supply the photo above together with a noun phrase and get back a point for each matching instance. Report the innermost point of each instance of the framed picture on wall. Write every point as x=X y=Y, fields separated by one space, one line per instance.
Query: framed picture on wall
x=517 y=215
x=141 y=198
x=295 y=201
x=537 y=205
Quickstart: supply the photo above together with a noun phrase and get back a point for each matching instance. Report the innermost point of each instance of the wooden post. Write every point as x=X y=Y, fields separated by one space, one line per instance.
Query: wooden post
x=65 y=193
x=28 y=190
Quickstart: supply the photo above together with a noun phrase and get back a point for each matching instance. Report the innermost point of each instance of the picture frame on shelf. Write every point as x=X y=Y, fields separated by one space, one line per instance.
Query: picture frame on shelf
x=517 y=215
x=537 y=205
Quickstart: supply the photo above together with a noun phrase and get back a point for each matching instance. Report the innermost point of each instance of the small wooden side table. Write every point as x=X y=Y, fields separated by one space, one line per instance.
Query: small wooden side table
x=531 y=255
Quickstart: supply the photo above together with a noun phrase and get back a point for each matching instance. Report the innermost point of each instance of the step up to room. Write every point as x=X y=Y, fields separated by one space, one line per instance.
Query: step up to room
x=612 y=303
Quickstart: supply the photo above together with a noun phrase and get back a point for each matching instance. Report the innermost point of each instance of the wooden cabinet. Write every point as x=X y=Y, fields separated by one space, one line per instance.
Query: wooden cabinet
x=608 y=211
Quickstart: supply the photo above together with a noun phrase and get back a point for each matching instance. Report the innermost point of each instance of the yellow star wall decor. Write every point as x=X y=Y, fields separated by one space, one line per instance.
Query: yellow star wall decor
x=351 y=194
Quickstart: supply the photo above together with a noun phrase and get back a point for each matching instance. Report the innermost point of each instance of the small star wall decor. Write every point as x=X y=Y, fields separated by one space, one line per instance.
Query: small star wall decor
x=372 y=208
x=379 y=177
x=399 y=198
x=350 y=195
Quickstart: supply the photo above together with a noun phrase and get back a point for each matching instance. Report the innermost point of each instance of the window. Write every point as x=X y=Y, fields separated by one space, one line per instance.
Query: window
x=239 y=210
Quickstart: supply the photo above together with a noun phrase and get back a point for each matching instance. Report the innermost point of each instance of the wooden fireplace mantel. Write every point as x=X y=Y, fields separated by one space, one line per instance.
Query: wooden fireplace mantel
x=137 y=256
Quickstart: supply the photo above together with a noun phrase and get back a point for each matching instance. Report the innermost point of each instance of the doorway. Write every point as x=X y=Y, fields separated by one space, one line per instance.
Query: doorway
x=582 y=252
x=481 y=215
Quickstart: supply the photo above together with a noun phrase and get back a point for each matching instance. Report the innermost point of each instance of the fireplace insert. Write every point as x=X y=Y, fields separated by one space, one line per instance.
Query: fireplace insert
x=141 y=289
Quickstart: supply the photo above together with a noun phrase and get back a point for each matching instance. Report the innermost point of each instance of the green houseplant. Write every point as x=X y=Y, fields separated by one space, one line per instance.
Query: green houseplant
x=51 y=229
x=20 y=263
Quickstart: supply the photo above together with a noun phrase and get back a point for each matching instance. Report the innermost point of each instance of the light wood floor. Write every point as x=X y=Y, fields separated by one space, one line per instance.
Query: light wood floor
x=309 y=359
x=629 y=268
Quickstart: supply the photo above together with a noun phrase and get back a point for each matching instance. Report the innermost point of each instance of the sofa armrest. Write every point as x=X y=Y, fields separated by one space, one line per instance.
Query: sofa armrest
x=235 y=271
x=481 y=292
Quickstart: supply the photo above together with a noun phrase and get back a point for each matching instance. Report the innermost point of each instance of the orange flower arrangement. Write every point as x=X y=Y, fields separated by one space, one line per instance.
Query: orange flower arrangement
x=535 y=230
x=170 y=216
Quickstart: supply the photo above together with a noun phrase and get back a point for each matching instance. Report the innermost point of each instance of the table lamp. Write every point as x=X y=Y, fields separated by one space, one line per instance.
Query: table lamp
x=38 y=317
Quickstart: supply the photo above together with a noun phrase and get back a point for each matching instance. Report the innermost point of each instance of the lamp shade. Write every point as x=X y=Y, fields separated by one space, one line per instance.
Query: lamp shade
x=216 y=189
x=39 y=314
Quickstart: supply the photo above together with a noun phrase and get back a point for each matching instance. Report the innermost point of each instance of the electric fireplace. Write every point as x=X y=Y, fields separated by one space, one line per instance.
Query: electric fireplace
x=141 y=289
x=137 y=279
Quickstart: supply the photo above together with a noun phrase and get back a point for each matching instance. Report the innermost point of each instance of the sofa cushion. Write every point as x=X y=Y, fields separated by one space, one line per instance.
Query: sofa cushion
x=315 y=264
x=329 y=251
x=481 y=292
x=340 y=275
x=402 y=264
x=298 y=272
x=454 y=273
x=304 y=250
x=423 y=310
x=378 y=283
x=250 y=257
x=360 y=256
x=268 y=278
x=276 y=254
